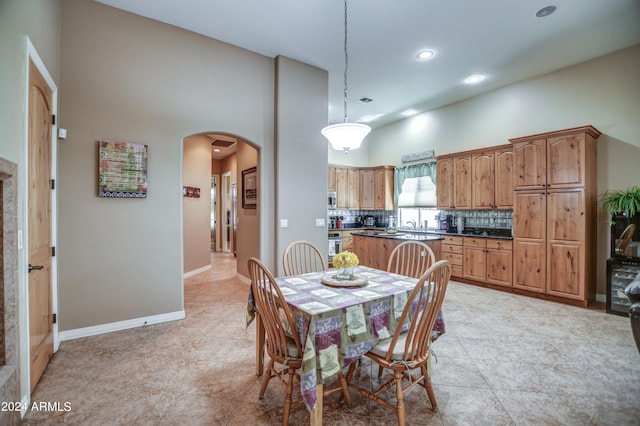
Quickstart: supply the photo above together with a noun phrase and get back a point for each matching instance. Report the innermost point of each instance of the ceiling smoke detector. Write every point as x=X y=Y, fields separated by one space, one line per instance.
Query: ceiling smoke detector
x=545 y=11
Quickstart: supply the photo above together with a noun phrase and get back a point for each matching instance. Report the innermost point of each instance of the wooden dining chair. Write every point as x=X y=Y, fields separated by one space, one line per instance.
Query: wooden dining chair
x=301 y=257
x=282 y=340
x=408 y=349
x=411 y=258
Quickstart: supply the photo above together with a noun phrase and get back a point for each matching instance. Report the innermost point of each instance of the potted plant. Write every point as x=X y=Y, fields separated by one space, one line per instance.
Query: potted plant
x=625 y=203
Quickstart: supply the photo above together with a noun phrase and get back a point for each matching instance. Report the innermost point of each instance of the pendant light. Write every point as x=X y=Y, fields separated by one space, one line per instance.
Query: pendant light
x=346 y=136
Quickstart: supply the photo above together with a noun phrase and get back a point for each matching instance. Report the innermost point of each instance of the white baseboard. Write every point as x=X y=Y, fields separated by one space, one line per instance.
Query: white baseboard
x=120 y=325
x=244 y=279
x=197 y=271
x=601 y=298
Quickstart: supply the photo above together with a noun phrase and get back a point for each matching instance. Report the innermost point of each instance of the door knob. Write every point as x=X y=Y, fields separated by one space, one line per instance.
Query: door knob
x=37 y=267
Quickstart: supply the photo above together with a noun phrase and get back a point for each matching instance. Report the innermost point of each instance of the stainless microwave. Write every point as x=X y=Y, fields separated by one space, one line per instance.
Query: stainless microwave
x=332 y=199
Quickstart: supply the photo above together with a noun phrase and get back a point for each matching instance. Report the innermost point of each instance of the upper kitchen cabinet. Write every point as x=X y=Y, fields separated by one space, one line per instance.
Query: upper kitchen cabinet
x=554 y=160
x=483 y=180
x=444 y=187
x=353 y=196
x=367 y=189
x=462 y=182
x=384 y=188
x=332 y=178
x=504 y=178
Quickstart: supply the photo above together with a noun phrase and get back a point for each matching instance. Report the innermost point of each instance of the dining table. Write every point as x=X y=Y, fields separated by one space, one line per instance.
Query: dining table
x=338 y=322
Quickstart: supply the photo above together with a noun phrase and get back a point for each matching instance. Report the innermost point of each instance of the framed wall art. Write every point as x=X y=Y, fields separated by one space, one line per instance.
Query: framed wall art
x=122 y=170
x=250 y=188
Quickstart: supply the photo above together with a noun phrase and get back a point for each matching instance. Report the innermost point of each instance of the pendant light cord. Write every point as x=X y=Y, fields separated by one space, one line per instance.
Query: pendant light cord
x=346 y=61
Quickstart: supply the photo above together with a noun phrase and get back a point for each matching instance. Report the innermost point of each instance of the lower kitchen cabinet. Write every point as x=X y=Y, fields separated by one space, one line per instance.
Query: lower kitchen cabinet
x=475 y=258
x=452 y=251
x=500 y=262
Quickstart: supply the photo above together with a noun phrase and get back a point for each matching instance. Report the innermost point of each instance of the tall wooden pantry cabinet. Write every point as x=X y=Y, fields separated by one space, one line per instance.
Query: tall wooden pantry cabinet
x=555 y=208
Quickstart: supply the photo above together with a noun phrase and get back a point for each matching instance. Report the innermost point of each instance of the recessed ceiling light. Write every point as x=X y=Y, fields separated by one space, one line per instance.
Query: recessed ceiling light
x=366 y=100
x=425 y=54
x=545 y=11
x=473 y=79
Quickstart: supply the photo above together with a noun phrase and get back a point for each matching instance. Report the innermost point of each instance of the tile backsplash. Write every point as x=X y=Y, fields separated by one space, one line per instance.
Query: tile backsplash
x=491 y=219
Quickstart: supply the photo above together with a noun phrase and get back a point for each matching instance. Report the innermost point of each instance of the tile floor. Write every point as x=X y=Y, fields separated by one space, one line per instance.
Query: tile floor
x=505 y=360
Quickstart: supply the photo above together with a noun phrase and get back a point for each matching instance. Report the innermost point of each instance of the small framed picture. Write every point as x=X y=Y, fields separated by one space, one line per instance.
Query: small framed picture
x=250 y=188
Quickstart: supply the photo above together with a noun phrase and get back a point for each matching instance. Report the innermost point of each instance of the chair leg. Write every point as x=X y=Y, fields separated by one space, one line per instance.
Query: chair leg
x=345 y=389
x=265 y=379
x=429 y=388
x=380 y=370
x=287 y=397
x=400 y=397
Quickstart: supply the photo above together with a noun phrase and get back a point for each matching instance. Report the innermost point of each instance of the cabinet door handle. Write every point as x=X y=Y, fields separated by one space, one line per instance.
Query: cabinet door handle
x=35 y=268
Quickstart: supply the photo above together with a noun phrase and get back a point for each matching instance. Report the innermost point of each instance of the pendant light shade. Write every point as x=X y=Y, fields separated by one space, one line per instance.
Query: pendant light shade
x=346 y=136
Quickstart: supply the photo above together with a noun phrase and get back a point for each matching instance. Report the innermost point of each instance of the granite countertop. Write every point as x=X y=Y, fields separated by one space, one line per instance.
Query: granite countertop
x=400 y=235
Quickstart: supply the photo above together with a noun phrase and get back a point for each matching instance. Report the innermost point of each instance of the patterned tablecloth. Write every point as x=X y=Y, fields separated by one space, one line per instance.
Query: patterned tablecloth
x=338 y=325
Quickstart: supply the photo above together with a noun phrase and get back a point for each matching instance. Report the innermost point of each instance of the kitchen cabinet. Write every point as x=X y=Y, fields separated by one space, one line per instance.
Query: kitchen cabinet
x=500 y=262
x=483 y=180
x=475 y=258
x=444 y=187
x=480 y=179
x=452 y=251
x=384 y=188
x=462 y=182
x=488 y=260
x=331 y=181
x=503 y=198
x=367 y=189
x=347 y=188
x=555 y=214
x=375 y=251
x=347 y=240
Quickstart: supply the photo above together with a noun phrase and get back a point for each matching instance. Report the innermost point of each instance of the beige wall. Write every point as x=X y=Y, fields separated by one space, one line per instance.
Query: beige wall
x=40 y=21
x=196 y=230
x=602 y=92
x=136 y=80
x=301 y=154
x=248 y=226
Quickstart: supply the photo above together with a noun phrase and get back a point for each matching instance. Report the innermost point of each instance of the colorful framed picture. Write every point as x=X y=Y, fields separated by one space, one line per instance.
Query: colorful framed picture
x=250 y=188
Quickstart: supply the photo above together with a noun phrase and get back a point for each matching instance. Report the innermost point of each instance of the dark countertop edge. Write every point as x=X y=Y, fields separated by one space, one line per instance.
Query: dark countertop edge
x=441 y=235
x=400 y=236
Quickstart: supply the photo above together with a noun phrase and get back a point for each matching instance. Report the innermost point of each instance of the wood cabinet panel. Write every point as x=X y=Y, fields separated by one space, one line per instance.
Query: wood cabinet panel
x=375 y=252
x=474 y=263
x=457 y=249
x=483 y=180
x=331 y=181
x=566 y=263
x=566 y=215
x=462 y=182
x=529 y=264
x=504 y=178
x=453 y=258
x=444 y=187
x=342 y=188
x=384 y=188
x=530 y=164
x=529 y=215
x=566 y=161
x=353 y=200
x=499 y=266
x=367 y=189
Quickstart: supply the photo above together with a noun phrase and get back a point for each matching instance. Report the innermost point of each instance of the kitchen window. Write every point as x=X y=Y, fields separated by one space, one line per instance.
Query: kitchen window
x=415 y=195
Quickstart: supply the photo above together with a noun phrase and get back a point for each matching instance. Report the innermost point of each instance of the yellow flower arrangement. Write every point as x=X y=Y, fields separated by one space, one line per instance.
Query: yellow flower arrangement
x=345 y=259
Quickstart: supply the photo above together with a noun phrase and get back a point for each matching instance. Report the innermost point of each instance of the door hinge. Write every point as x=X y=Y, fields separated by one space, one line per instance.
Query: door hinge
x=53 y=252
x=53 y=184
x=54 y=318
x=53 y=119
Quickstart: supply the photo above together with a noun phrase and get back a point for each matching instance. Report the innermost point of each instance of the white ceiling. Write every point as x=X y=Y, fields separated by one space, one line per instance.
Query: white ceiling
x=500 y=39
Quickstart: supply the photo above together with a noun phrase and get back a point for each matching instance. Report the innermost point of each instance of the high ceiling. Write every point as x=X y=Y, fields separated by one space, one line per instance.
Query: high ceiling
x=502 y=40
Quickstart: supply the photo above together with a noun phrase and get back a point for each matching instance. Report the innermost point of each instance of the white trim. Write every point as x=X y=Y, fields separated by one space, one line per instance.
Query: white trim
x=32 y=54
x=243 y=278
x=601 y=297
x=26 y=404
x=197 y=271
x=120 y=325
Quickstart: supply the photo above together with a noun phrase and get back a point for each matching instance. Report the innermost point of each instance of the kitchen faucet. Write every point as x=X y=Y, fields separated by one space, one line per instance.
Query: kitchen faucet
x=413 y=223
